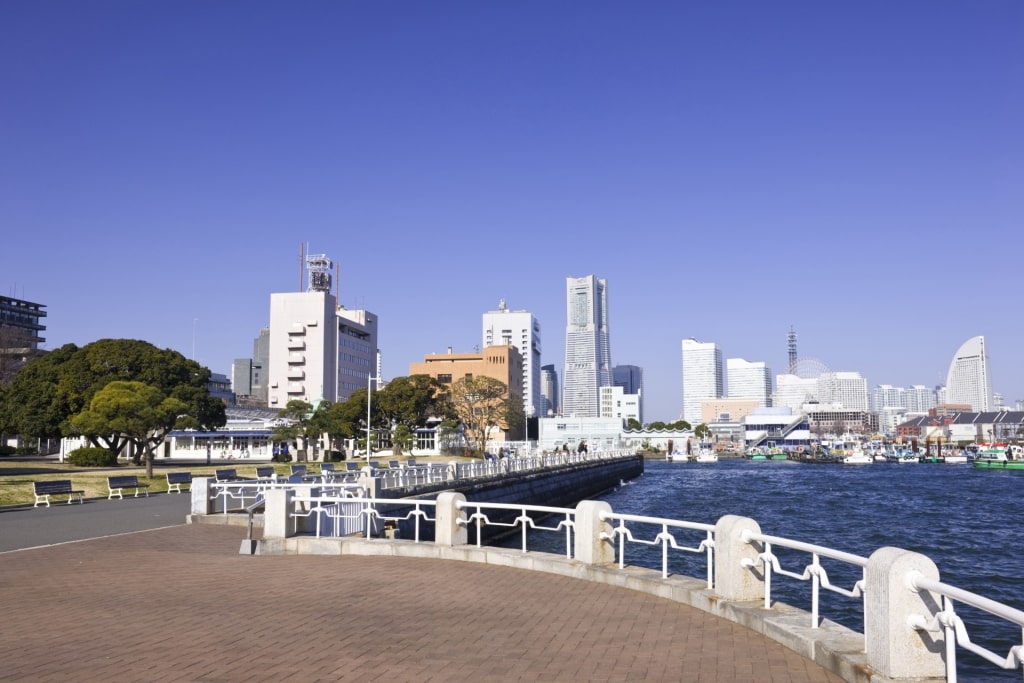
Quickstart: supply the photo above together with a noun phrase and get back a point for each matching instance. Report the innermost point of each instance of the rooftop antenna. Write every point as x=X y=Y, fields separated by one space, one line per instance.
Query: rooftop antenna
x=319 y=267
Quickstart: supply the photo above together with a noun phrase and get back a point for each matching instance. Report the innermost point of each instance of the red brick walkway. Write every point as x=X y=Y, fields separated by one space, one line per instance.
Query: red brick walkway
x=180 y=604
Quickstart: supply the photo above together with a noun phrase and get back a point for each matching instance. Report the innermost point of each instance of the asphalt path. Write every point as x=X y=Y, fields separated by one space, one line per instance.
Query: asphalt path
x=28 y=527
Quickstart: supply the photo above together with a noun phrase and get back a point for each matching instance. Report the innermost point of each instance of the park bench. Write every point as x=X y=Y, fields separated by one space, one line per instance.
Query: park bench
x=226 y=475
x=265 y=472
x=299 y=469
x=117 y=485
x=176 y=479
x=59 y=487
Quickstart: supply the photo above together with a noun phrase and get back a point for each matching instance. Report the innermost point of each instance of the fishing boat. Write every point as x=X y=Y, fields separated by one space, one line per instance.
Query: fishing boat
x=676 y=456
x=857 y=456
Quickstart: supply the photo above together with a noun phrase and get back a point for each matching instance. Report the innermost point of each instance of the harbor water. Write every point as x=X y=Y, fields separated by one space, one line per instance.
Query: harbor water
x=967 y=521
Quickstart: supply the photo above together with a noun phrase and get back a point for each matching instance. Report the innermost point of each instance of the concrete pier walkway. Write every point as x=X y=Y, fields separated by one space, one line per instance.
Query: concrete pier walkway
x=180 y=604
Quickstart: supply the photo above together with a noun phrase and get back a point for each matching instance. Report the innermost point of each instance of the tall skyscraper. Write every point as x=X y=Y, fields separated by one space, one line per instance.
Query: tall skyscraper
x=746 y=379
x=521 y=330
x=846 y=389
x=968 y=379
x=702 y=376
x=549 y=391
x=588 y=357
x=631 y=379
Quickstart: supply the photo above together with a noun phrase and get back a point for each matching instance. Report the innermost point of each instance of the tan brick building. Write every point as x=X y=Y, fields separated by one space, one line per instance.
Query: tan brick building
x=503 y=363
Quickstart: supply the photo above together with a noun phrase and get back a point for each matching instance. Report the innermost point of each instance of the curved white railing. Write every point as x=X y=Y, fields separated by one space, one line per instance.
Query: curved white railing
x=814 y=572
x=523 y=519
x=954 y=629
x=623 y=534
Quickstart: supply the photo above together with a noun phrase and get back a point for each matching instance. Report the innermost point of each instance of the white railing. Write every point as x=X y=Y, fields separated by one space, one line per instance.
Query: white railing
x=253 y=489
x=953 y=628
x=621 y=535
x=523 y=520
x=813 y=572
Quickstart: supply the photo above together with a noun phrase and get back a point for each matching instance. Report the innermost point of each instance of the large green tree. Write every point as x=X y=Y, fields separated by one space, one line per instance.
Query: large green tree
x=132 y=412
x=51 y=389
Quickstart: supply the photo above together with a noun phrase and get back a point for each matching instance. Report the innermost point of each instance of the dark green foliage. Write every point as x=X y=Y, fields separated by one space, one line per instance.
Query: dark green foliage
x=7 y=450
x=92 y=457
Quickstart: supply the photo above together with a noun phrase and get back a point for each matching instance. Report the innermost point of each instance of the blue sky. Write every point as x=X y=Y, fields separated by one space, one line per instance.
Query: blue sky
x=732 y=169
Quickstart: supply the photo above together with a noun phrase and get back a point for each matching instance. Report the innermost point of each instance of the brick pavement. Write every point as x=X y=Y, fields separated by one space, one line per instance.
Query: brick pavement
x=179 y=604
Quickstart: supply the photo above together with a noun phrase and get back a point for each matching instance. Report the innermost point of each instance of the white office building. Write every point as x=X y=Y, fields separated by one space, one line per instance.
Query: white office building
x=615 y=402
x=843 y=389
x=793 y=391
x=920 y=399
x=887 y=396
x=521 y=330
x=702 y=377
x=358 y=354
x=751 y=380
x=968 y=380
x=303 y=348
x=588 y=357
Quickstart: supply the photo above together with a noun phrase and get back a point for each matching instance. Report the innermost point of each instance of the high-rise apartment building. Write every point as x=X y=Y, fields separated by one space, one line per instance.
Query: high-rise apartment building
x=549 y=391
x=521 y=330
x=747 y=379
x=702 y=376
x=968 y=380
x=358 y=356
x=588 y=358
x=847 y=390
x=887 y=396
x=920 y=399
x=631 y=379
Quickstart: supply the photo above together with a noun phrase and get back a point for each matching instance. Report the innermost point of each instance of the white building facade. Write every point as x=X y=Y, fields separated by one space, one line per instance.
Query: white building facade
x=702 y=376
x=968 y=380
x=588 y=358
x=303 y=348
x=615 y=402
x=521 y=330
x=747 y=379
x=846 y=389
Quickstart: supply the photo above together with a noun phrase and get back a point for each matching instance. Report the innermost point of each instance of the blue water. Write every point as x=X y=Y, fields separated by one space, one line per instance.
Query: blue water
x=969 y=522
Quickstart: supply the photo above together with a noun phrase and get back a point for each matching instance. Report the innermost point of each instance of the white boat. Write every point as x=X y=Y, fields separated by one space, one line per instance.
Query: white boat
x=676 y=456
x=706 y=455
x=857 y=456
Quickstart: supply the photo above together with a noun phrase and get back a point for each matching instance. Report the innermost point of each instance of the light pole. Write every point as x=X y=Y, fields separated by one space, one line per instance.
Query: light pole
x=369 y=399
x=194 y=321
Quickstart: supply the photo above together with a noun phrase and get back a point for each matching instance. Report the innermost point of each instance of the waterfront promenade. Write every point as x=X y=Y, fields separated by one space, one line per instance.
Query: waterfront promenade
x=180 y=604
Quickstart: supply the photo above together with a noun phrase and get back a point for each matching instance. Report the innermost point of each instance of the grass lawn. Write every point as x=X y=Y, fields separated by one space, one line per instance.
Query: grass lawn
x=16 y=476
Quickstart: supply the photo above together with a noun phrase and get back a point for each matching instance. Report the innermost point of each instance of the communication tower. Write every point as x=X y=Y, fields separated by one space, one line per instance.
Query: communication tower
x=791 y=347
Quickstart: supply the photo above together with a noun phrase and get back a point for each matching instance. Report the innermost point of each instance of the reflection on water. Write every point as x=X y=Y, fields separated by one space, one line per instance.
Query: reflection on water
x=967 y=521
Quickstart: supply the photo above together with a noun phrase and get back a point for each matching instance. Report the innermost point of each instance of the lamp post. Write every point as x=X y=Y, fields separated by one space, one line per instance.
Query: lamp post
x=369 y=399
x=194 y=321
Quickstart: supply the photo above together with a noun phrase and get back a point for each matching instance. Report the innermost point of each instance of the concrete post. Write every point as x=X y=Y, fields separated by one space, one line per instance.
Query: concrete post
x=895 y=649
x=453 y=468
x=370 y=484
x=277 y=522
x=590 y=547
x=202 y=504
x=447 y=530
x=733 y=581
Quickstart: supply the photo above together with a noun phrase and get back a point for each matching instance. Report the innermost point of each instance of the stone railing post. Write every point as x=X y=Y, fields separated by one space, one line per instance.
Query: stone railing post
x=447 y=530
x=894 y=648
x=277 y=509
x=370 y=484
x=202 y=503
x=733 y=581
x=590 y=547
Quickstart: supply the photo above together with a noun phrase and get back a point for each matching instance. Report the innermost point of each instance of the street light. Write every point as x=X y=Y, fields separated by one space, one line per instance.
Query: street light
x=194 y=321
x=369 y=398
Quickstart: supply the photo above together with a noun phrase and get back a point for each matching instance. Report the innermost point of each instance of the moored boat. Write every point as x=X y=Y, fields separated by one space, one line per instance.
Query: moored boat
x=706 y=455
x=857 y=456
x=999 y=457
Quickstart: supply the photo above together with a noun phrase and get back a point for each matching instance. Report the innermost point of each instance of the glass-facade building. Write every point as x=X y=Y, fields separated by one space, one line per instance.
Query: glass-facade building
x=588 y=357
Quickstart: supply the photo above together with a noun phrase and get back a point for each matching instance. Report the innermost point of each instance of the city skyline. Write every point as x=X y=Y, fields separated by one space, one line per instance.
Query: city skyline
x=730 y=173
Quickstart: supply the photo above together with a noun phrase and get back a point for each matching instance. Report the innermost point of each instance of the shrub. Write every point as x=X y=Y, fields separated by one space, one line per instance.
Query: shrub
x=7 y=450
x=335 y=456
x=92 y=457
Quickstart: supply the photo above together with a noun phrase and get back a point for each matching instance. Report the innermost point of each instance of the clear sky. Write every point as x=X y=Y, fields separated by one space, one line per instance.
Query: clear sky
x=853 y=170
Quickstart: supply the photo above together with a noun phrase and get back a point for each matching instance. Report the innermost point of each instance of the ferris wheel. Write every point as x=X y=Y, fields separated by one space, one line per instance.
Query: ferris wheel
x=808 y=368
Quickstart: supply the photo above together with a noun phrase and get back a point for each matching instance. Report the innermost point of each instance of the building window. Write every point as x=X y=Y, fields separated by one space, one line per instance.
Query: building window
x=444 y=379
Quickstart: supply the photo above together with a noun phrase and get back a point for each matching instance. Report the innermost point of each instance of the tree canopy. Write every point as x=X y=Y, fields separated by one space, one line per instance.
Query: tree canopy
x=52 y=389
x=482 y=405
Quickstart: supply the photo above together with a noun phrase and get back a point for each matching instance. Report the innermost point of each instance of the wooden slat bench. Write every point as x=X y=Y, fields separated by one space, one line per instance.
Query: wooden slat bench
x=176 y=479
x=57 y=487
x=117 y=485
x=226 y=475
